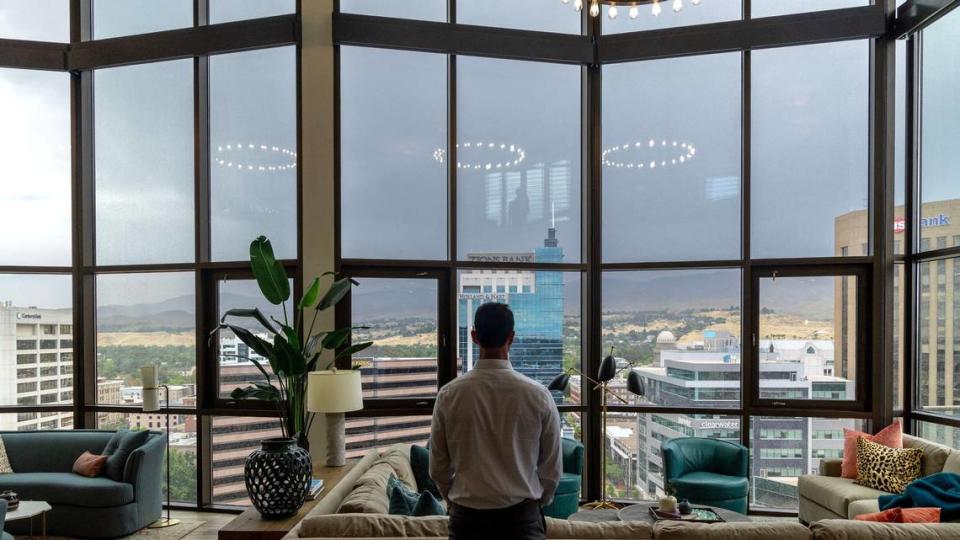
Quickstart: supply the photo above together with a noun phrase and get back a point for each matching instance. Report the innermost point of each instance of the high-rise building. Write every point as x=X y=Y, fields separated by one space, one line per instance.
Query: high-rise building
x=536 y=299
x=37 y=346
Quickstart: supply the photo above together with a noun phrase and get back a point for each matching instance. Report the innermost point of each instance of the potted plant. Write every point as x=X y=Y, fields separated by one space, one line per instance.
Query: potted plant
x=276 y=473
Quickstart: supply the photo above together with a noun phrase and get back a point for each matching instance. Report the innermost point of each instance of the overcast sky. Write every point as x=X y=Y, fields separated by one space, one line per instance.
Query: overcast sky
x=809 y=128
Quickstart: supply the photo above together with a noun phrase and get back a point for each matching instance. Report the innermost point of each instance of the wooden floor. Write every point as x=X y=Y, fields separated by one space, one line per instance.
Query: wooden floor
x=211 y=523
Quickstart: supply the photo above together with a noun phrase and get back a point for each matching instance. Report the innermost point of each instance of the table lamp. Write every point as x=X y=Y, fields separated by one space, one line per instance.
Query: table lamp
x=333 y=393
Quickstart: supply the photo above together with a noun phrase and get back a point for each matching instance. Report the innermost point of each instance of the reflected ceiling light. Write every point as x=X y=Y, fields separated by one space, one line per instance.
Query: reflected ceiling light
x=240 y=157
x=613 y=6
x=515 y=154
x=671 y=153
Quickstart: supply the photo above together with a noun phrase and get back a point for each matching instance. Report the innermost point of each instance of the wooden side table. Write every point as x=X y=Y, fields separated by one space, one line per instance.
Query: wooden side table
x=250 y=526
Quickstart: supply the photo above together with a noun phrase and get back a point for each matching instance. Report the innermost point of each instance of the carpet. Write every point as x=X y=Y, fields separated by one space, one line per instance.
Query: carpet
x=175 y=532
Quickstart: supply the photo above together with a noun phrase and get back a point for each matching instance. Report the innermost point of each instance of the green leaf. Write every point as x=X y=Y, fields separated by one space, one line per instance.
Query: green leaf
x=254 y=392
x=353 y=349
x=336 y=339
x=293 y=338
x=288 y=360
x=250 y=313
x=310 y=297
x=270 y=274
x=338 y=289
x=314 y=344
x=260 y=367
x=259 y=346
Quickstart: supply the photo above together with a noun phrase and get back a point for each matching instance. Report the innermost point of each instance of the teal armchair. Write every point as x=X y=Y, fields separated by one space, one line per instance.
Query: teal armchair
x=707 y=471
x=3 y=521
x=566 y=500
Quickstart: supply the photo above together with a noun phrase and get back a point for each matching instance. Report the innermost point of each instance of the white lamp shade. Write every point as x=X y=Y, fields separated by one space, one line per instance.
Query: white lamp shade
x=151 y=399
x=149 y=376
x=334 y=391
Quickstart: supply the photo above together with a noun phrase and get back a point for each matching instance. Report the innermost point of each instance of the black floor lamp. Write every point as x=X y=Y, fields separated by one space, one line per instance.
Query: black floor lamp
x=151 y=403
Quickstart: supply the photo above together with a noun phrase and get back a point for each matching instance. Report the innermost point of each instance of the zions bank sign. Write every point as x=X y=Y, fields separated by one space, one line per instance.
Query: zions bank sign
x=941 y=220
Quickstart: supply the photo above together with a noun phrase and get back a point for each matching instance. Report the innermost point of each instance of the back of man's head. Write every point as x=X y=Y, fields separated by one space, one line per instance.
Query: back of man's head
x=493 y=324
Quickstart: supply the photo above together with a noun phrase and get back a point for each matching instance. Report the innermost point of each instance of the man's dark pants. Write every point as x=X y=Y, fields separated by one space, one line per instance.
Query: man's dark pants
x=523 y=521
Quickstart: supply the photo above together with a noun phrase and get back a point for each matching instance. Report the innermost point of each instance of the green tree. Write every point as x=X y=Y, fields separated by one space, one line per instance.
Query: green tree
x=183 y=476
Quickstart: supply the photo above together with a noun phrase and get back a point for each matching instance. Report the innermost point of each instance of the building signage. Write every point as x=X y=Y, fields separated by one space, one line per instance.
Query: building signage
x=714 y=424
x=941 y=220
x=484 y=297
x=28 y=316
x=501 y=257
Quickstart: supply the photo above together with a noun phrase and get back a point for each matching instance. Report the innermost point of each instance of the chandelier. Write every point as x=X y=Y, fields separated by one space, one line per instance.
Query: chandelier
x=633 y=11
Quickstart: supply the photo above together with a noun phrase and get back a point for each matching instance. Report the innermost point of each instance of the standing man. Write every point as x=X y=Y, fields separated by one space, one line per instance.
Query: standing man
x=495 y=441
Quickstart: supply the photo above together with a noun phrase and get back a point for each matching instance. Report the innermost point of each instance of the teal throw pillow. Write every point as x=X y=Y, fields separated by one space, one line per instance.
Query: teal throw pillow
x=117 y=461
x=420 y=463
x=402 y=498
x=428 y=505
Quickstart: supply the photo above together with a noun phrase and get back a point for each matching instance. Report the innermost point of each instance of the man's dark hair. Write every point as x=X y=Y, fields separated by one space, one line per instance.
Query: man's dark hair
x=493 y=323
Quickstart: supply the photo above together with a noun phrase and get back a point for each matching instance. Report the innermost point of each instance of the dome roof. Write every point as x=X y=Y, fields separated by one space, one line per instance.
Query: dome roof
x=666 y=337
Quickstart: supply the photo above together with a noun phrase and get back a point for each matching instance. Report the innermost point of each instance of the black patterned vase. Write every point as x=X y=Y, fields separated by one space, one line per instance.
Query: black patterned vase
x=278 y=477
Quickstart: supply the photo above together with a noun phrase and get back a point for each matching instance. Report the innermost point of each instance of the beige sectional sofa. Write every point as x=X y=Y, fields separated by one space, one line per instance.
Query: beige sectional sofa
x=323 y=522
x=828 y=496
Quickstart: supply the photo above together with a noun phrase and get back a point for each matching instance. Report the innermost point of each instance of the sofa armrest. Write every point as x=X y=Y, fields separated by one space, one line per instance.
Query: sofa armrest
x=831 y=467
x=145 y=470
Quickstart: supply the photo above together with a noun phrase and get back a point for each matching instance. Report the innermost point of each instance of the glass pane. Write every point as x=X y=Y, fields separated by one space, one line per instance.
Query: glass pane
x=676 y=164
x=634 y=464
x=113 y=18
x=667 y=15
x=940 y=129
x=938 y=433
x=938 y=363
x=142 y=320
x=899 y=353
x=808 y=338
x=809 y=162
x=35 y=153
x=427 y=10
x=546 y=314
x=233 y=438
x=35 y=421
x=253 y=147
x=36 y=342
x=144 y=163
x=541 y=15
x=783 y=448
x=36 y=20
x=679 y=330
x=235 y=10
x=183 y=445
x=393 y=128
x=402 y=318
x=900 y=148
x=236 y=369
x=365 y=434
x=517 y=181
x=770 y=8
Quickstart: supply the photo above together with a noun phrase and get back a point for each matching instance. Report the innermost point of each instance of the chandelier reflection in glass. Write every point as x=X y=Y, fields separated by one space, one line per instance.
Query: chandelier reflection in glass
x=633 y=6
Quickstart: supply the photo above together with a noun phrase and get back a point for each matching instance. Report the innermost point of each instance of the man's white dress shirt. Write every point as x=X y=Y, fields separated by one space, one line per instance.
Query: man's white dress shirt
x=495 y=439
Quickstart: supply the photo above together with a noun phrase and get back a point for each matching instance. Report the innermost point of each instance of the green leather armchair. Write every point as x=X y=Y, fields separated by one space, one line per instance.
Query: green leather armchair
x=566 y=500
x=707 y=471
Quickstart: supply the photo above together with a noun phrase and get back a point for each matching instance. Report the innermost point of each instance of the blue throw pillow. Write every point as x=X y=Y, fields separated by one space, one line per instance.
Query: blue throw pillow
x=129 y=441
x=402 y=498
x=428 y=505
x=420 y=463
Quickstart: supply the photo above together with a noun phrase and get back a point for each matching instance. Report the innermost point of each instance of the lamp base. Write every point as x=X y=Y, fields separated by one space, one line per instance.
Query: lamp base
x=163 y=522
x=336 y=451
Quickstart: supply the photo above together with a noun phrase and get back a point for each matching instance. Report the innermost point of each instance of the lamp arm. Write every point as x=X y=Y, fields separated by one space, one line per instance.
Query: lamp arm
x=598 y=385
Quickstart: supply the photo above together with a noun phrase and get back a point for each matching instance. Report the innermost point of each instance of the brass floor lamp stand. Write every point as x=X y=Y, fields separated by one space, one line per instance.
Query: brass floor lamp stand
x=167 y=521
x=603 y=503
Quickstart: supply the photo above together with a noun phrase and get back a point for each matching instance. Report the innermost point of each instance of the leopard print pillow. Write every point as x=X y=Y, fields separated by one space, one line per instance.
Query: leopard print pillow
x=886 y=469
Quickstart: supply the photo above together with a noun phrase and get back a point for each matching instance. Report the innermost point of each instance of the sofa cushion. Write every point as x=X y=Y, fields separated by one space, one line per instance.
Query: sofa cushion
x=68 y=488
x=839 y=529
x=372 y=526
x=887 y=469
x=864 y=506
x=369 y=493
x=398 y=457
x=633 y=530
x=569 y=483
x=952 y=464
x=719 y=486
x=117 y=460
x=835 y=494
x=60 y=448
x=760 y=530
x=420 y=465
x=890 y=436
x=934 y=455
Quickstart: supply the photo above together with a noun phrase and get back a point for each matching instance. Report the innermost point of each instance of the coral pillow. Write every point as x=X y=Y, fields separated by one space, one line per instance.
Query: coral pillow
x=890 y=436
x=903 y=515
x=89 y=464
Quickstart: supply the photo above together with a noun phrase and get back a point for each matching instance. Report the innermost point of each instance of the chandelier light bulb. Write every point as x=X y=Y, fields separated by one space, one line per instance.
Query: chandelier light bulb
x=656 y=9
x=634 y=12
x=578 y=5
x=696 y=2
x=565 y=1
x=612 y=12
x=677 y=6
x=594 y=9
